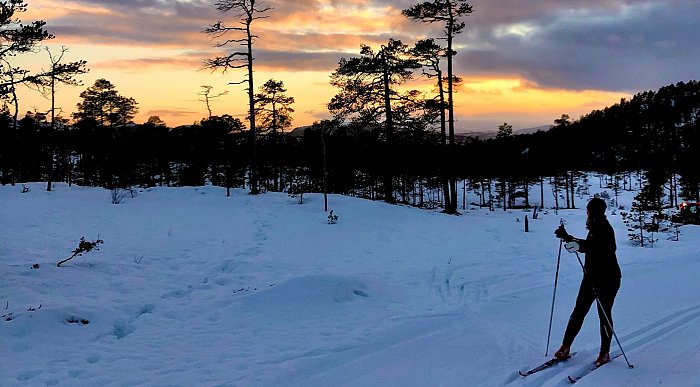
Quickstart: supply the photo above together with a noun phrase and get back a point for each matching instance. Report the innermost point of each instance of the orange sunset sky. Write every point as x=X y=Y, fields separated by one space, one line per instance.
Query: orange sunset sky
x=523 y=62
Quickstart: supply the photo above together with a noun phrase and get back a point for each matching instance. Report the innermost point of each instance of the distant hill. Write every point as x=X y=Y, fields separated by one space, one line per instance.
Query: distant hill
x=535 y=129
x=298 y=131
x=485 y=135
x=459 y=137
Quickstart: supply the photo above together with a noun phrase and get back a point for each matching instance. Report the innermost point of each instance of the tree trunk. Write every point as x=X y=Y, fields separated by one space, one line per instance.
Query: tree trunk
x=443 y=138
x=275 y=168
x=505 y=195
x=388 y=183
x=49 y=137
x=451 y=124
x=325 y=174
x=490 y=196
x=251 y=115
x=573 y=189
x=566 y=189
x=527 y=194
x=15 y=101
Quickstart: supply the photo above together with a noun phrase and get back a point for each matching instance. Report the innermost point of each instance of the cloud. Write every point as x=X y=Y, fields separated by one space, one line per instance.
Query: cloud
x=620 y=45
x=298 y=61
x=180 y=24
x=606 y=45
x=171 y=113
x=172 y=62
x=129 y=30
x=266 y=60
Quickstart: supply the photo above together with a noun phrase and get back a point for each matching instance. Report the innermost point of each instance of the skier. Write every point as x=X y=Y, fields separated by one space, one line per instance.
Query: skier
x=601 y=278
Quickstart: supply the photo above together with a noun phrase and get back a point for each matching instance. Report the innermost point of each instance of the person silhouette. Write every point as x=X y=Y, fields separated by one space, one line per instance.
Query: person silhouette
x=601 y=280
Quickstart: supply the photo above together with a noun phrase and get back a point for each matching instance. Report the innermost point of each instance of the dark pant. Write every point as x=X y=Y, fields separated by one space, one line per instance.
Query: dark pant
x=586 y=297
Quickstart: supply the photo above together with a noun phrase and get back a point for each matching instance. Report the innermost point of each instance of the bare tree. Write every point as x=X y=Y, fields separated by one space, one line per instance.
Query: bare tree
x=325 y=128
x=247 y=11
x=60 y=73
x=208 y=96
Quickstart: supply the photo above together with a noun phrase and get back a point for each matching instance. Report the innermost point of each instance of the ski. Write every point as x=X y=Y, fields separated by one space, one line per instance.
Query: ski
x=586 y=371
x=545 y=365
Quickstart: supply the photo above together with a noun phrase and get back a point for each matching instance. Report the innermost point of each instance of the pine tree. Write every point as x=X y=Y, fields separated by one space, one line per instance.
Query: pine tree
x=448 y=13
x=370 y=97
x=247 y=12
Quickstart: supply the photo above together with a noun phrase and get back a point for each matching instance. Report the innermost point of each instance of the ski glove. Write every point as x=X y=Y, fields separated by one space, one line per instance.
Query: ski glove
x=572 y=246
x=561 y=233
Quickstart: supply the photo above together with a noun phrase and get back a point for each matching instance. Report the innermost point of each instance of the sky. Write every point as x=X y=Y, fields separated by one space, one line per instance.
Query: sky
x=524 y=63
x=193 y=288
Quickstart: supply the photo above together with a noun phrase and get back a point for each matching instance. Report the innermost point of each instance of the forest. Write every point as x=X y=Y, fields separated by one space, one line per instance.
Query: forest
x=655 y=131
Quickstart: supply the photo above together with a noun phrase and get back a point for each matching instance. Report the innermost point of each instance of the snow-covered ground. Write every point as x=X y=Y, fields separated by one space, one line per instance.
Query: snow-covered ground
x=192 y=288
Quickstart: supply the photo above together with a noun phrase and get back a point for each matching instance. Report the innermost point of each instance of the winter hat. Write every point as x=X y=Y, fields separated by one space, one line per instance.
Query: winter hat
x=596 y=206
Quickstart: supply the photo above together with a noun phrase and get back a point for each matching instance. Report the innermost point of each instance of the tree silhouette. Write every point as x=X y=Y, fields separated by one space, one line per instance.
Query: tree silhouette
x=208 y=96
x=16 y=38
x=155 y=121
x=60 y=73
x=368 y=92
x=273 y=107
x=429 y=54
x=448 y=13
x=247 y=11
x=505 y=130
x=102 y=103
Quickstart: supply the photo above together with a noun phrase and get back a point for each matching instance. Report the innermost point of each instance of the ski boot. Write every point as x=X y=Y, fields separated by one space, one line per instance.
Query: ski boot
x=562 y=352
x=602 y=359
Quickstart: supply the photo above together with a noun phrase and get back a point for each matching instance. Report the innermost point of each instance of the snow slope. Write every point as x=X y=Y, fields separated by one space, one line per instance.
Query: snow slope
x=192 y=288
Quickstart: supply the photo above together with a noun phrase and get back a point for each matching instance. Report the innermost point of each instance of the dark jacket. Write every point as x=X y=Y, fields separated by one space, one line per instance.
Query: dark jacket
x=599 y=246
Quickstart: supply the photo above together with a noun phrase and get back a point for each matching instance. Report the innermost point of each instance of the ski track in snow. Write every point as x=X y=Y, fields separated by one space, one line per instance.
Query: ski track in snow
x=657 y=330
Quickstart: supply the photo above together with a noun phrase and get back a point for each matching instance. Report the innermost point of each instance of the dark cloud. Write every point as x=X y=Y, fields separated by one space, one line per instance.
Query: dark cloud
x=299 y=61
x=122 y=3
x=181 y=7
x=264 y=59
x=608 y=45
x=142 y=22
x=615 y=45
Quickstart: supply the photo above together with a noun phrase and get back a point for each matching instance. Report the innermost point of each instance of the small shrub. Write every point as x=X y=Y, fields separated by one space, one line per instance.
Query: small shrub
x=83 y=247
x=332 y=219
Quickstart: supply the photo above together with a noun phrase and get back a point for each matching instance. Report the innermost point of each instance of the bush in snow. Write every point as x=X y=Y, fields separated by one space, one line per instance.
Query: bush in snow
x=297 y=187
x=641 y=226
x=673 y=232
x=332 y=219
x=118 y=194
x=83 y=247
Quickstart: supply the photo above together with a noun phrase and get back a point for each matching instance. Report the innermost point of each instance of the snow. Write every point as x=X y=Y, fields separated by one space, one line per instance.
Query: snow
x=193 y=288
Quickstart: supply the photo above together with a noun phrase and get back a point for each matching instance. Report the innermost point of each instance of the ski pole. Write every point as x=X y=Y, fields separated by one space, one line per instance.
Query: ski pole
x=607 y=319
x=554 y=295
